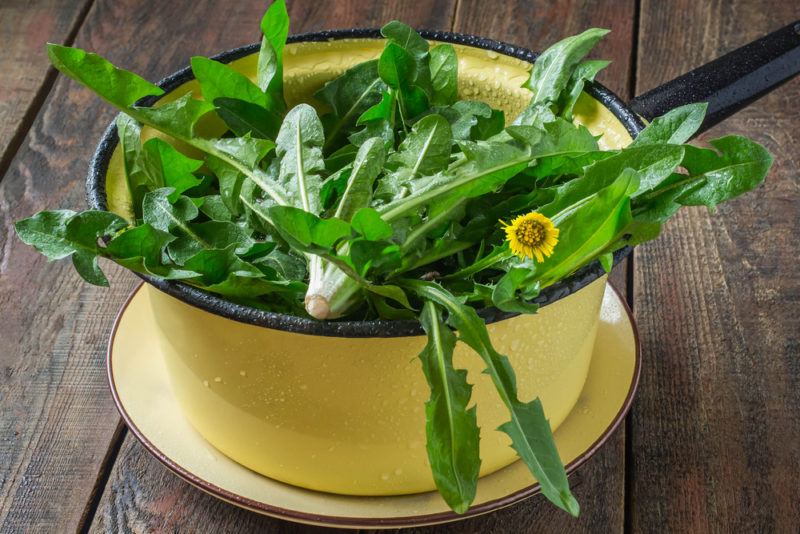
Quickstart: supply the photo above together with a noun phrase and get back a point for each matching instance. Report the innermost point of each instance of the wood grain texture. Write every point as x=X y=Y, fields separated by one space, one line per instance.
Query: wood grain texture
x=142 y=496
x=56 y=416
x=538 y=24
x=715 y=435
x=25 y=26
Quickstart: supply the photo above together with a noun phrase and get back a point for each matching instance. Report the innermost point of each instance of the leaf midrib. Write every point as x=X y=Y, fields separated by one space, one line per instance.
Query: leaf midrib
x=436 y=336
x=412 y=202
x=335 y=130
x=489 y=360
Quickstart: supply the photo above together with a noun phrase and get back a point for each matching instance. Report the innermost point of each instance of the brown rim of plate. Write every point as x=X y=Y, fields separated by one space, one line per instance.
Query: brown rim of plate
x=344 y=522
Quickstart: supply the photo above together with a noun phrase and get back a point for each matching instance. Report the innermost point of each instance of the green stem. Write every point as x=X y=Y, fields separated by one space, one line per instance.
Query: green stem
x=502 y=254
x=395 y=210
x=423 y=229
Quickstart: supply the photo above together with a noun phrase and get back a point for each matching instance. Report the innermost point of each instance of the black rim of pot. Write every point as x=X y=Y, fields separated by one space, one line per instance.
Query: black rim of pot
x=96 y=197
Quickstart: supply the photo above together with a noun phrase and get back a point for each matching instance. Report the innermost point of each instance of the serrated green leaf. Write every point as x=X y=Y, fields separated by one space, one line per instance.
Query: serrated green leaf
x=391 y=292
x=383 y=110
x=286 y=266
x=141 y=248
x=488 y=166
x=404 y=66
x=230 y=182
x=61 y=233
x=405 y=37
x=167 y=167
x=209 y=235
x=166 y=216
x=240 y=152
x=425 y=151
x=444 y=74
x=714 y=176
x=275 y=27
x=654 y=163
x=369 y=224
x=514 y=292
x=307 y=231
x=556 y=137
x=247 y=289
x=737 y=166
x=395 y=66
x=85 y=229
x=553 y=69
x=86 y=265
x=178 y=118
x=218 y=80
x=367 y=165
x=120 y=87
x=373 y=257
x=46 y=232
x=451 y=427
x=349 y=96
x=528 y=429
x=129 y=132
x=675 y=127
x=299 y=148
x=215 y=209
x=244 y=118
x=471 y=120
x=216 y=265
x=584 y=72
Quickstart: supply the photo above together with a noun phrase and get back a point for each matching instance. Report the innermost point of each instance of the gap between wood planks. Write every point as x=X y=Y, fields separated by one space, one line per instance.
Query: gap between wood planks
x=38 y=99
x=103 y=476
x=627 y=503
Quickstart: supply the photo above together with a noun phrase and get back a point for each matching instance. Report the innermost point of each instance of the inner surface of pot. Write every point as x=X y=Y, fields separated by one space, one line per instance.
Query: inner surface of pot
x=343 y=414
x=483 y=75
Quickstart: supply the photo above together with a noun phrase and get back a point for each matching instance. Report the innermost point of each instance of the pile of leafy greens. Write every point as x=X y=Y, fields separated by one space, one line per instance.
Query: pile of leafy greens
x=382 y=199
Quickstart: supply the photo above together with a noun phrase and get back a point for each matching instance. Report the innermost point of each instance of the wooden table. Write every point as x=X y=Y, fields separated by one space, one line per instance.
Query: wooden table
x=713 y=439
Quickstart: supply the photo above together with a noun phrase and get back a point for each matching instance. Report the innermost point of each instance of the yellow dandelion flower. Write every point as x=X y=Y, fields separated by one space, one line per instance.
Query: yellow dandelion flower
x=531 y=235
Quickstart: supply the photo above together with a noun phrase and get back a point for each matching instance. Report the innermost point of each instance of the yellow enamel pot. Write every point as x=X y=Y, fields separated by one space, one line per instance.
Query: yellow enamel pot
x=339 y=406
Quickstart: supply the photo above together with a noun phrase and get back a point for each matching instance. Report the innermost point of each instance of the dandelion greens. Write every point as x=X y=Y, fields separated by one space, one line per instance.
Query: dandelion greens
x=392 y=199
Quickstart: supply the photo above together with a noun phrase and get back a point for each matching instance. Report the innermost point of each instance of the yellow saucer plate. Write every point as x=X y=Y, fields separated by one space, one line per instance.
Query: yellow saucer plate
x=141 y=390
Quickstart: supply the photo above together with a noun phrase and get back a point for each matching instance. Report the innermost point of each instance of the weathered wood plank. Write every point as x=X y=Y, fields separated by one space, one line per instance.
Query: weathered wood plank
x=715 y=435
x=56 y=417
x=143 y=496
x=24 y=28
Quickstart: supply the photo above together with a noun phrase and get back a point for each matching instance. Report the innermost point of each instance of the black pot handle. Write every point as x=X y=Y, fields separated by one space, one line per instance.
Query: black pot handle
x=730 y=82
